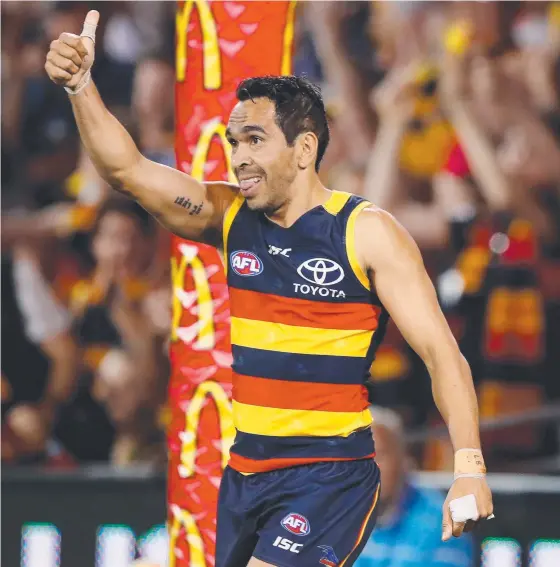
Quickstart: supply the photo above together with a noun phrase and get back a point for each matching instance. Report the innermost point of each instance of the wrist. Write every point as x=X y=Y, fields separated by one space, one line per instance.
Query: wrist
x=83 y=83
x=469 y=463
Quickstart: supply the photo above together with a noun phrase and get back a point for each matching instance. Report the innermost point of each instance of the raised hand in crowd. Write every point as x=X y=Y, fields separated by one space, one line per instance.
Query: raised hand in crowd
x=394 y=101
x=395 y=97
x=474 y=141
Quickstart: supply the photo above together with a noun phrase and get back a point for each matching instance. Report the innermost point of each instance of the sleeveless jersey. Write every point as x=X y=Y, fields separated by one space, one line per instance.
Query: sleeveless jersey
x=304 y=329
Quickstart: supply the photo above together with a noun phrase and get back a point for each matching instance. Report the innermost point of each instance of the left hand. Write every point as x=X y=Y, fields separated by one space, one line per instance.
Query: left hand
x=462 y=487
x=395 y=97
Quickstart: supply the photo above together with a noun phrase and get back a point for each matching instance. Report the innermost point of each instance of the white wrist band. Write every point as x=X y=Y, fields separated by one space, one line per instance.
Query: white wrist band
x=469 y=475
x=81 y=85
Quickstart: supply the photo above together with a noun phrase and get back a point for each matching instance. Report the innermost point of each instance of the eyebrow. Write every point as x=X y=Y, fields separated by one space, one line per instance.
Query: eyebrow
x=247 y=129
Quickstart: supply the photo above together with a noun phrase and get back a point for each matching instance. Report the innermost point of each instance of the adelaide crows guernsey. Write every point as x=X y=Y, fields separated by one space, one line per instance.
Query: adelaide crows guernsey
x=304 y=329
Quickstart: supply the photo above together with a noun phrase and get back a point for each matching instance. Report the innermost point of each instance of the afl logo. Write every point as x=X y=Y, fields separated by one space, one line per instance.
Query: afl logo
x=296 y=524
x=246 y=263
x=321 y=271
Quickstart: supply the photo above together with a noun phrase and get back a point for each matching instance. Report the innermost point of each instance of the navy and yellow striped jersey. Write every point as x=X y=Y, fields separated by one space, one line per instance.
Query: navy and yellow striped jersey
x=304 y=329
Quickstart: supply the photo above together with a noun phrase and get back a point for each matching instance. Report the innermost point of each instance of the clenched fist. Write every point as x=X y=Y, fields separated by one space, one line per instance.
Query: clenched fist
x=70 y=57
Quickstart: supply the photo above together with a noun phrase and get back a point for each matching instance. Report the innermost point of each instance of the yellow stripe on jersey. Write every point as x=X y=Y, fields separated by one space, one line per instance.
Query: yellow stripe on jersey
x=285 y=422
x=299 y=340
x=336 y=201
x=229 y=217
x=351 y=245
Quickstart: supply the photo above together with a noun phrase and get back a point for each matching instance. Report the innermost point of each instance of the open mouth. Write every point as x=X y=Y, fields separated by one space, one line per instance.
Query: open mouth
x=249 y=186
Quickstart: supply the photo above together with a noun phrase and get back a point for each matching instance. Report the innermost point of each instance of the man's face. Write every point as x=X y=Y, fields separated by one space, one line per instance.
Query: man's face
x=262 y=160
x=115 y=241
x=390 y=457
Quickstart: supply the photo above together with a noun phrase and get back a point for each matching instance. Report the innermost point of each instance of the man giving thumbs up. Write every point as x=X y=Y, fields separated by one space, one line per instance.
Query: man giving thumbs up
x=162 y=191
x=70 y=56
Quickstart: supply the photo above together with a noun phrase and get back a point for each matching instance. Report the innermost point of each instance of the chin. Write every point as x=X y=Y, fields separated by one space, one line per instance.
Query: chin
x=255 y=205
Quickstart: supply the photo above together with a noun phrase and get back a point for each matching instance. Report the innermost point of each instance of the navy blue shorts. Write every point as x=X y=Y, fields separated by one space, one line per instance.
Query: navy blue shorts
x=317 y=514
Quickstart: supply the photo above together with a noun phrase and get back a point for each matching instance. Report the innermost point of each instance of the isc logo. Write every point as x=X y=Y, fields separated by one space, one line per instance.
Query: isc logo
x=296 y=524
x=283 y=543
x=246 y=263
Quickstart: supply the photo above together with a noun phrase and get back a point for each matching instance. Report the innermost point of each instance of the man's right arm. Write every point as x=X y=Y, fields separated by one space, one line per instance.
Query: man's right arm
x=182 y=204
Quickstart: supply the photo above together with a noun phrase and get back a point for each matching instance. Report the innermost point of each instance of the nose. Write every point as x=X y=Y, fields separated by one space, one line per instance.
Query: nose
x=240 y=158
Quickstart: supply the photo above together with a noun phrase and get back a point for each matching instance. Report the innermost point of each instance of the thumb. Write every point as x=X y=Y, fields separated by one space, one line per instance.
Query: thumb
x=447 y=524
x=90 y=25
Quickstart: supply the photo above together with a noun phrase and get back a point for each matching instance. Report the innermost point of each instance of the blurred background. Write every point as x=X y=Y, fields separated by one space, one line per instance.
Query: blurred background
x=447 y=114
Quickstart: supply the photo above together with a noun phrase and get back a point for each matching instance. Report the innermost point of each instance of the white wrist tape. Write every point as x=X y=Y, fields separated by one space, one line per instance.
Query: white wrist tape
x=469 y=463
x=81 y=85
x=469 y=475
x=464 y=508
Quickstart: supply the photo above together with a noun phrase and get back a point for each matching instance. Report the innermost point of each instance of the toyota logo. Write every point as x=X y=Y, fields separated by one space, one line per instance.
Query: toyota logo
x=321 y=271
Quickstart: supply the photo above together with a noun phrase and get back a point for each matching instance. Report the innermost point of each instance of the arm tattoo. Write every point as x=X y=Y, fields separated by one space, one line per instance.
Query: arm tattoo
x=187 y=204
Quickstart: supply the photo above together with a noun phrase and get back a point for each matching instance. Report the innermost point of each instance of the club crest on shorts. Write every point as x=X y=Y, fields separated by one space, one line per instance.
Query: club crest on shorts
x=296 y=524
x=246 y=263
x=329 y=558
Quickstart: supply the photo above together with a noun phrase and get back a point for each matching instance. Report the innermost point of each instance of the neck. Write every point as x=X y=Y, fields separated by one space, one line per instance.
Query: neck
x=301 y=199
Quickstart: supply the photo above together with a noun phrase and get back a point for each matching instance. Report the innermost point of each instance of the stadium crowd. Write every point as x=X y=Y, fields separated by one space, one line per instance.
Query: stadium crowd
x=446 y=114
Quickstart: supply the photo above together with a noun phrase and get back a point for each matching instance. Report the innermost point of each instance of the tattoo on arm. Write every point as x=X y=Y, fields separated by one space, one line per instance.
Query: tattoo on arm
x=187 y=204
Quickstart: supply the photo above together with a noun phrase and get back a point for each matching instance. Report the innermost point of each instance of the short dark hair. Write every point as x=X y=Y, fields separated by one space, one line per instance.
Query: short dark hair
x=298 y=103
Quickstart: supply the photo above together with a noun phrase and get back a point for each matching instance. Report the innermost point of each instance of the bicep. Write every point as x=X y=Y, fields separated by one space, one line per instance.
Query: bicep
x=182 y=204
x=405 y=289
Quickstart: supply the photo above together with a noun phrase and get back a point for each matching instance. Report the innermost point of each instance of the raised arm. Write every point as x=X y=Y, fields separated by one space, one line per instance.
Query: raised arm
x=182 y=204
x=396 y=270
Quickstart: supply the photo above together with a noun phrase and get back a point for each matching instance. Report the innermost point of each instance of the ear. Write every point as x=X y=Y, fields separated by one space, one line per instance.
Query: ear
x=308 y=145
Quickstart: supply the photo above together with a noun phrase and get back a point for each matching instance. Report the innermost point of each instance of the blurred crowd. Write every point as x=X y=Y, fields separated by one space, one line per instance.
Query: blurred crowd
x=447 y=114
x=85 y=283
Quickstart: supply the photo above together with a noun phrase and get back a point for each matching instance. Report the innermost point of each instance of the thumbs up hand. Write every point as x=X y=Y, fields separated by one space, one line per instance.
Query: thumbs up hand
x=70 y=57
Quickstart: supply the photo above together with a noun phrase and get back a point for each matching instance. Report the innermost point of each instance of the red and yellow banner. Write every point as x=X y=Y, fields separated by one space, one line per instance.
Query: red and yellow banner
x=218 y=44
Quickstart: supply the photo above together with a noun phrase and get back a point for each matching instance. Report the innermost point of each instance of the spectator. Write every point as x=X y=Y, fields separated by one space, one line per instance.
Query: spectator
x=152 y=104
x=104 y=407
x=39 y=362
x=122 y=344
x=408 y=531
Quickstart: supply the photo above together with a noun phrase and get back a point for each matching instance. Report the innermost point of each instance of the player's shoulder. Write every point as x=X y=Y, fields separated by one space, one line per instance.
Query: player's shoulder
x=221 y=189
x=372 y=218
x=222 y=195
x=381 y=233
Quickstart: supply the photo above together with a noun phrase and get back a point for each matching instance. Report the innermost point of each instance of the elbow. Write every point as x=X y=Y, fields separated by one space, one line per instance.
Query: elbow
x=122 y=178
x=442 y=357
x=116 y=179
